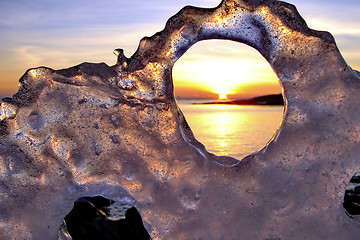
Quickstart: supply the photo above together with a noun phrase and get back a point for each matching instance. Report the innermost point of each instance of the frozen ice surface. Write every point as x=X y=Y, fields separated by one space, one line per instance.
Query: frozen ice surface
x=117 y=132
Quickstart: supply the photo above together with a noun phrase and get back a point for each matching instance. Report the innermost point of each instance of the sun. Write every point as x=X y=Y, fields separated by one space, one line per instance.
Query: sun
x=222 y=96
x=223 y=93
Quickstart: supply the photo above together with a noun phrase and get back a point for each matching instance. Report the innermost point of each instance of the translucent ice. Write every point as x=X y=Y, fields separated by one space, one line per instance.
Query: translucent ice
x=117 y=132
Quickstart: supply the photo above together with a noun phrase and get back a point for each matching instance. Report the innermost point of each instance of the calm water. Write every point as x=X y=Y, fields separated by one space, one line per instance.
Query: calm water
x=230 y=129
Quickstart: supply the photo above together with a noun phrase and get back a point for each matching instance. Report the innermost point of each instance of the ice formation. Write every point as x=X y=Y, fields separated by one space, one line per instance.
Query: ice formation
x=117 y=132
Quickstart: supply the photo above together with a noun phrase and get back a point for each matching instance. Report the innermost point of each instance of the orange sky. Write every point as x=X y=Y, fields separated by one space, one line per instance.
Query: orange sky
x=62 y=34
x=206 y=70
x=214 y=67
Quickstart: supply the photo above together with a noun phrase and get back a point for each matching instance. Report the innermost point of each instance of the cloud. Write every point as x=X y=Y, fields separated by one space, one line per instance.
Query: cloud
x=22 y=14
x=62 y=48
x=59 y=34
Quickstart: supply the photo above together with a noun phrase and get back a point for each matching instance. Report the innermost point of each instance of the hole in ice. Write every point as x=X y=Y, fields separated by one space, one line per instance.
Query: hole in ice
x=220 y=71
x=101 y=218
x=352 y=197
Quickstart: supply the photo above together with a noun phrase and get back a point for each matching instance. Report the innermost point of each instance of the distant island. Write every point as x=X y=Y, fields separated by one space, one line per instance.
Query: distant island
x=273 y=99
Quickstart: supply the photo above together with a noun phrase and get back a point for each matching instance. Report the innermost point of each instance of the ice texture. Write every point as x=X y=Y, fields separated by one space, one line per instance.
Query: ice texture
x=117 y=132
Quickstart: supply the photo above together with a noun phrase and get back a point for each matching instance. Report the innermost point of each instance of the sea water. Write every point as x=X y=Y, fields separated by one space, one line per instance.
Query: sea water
x=232 y=130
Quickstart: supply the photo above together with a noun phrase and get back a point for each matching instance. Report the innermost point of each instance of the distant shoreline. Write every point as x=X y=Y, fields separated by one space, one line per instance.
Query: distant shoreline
x=273 y=100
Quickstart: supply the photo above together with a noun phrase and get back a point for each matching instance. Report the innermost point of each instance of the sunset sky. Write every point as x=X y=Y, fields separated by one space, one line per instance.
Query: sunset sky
x=60 y=34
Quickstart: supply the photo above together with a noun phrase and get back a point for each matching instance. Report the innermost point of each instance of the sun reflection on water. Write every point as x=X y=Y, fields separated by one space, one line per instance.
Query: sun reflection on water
x=233 y=130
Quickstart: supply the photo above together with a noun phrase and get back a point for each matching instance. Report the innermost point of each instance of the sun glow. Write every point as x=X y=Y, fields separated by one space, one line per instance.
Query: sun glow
x=222 y=96
x=223 y=93
x=224 y=69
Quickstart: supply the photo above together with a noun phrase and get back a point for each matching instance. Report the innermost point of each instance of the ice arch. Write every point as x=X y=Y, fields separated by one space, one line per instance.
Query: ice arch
x=95 y=130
